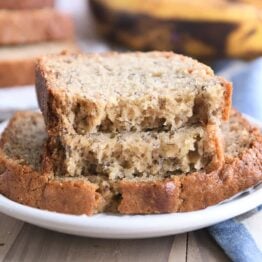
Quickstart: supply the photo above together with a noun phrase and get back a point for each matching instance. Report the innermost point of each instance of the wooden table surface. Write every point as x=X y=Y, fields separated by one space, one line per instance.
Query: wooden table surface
x=21 y=242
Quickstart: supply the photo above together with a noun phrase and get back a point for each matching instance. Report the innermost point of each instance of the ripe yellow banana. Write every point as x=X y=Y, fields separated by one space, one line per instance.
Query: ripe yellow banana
x=202 y=29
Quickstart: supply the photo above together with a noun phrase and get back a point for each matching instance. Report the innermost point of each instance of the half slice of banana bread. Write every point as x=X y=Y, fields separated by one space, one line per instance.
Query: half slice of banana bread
x=117 y=92
x=21 y=179
x=135 y=154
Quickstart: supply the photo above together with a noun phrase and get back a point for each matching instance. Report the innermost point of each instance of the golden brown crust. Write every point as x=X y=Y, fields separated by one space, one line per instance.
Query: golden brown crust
x=214 y=140
x=38 y=25
x=149 y=197
x=48 y=99
x=71 y=197
x=23 y=185
x=228 y=98
x=20 y=183
x=25 y=4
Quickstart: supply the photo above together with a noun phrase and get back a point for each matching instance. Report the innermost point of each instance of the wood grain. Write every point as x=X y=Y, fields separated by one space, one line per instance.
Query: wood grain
x=28 y=243
x=178 y=252
x=36 y=244
x=9 y=229
x=201 y=247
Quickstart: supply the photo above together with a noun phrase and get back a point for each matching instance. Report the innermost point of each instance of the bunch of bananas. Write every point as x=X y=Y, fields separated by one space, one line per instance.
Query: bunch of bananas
x=202 y=29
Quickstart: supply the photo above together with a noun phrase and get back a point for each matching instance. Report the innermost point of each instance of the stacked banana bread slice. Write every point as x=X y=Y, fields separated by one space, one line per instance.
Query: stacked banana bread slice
x=30 y=29
x=21 y=179
x=131 y=115
x=133 y=133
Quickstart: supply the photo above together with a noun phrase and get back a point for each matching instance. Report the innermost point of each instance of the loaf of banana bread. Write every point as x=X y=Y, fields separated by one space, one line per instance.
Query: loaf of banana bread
x=21 y=179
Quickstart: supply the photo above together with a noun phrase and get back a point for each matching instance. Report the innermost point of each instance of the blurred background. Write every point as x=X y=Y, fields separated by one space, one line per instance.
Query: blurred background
x=225 y=34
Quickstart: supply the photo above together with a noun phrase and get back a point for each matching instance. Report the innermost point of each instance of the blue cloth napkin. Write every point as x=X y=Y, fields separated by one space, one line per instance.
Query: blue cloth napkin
x=241 y=237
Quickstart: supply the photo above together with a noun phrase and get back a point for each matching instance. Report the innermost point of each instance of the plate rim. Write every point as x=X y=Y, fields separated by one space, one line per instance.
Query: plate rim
x=128 y=226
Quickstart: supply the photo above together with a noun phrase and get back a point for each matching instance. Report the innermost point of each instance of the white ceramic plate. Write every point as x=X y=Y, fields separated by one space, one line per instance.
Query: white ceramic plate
x=138 y=226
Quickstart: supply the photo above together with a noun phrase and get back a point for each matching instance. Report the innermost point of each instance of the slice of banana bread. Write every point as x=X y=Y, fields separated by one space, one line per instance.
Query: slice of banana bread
x=17 y=63
x=21 y=180
x=36 y=25
x=22 y=148
x=135 y=154
x=115 y=92
x=25 y=4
